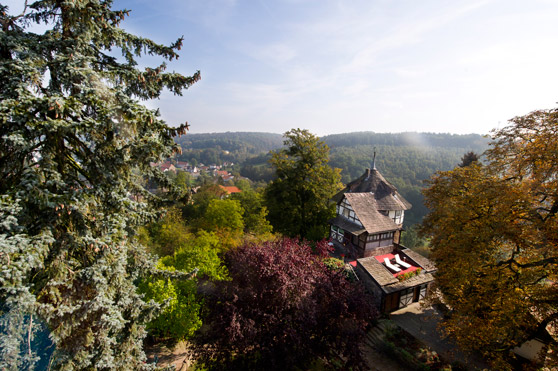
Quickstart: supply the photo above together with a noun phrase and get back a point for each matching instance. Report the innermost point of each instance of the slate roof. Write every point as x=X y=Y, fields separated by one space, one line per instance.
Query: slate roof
x=385 y=194
x=411 y=282
x=378 y=271
x=425 y=263
x=347 y=225
x=366 y=209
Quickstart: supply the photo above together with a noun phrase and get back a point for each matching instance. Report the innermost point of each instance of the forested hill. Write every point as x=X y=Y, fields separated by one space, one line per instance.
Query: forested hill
x=369 y=138
x=220 y=147
x=405 y=159
x=411 y=156
x=239 y=146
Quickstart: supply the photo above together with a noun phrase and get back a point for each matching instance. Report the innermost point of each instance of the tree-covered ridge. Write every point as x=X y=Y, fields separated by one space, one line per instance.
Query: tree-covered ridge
x=217 y=148
x=242 y=146
x=412 y=139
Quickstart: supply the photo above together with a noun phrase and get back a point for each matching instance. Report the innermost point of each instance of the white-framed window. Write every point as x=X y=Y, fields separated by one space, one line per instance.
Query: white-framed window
x=398 y=218
x=337 y=234
x=373 y=237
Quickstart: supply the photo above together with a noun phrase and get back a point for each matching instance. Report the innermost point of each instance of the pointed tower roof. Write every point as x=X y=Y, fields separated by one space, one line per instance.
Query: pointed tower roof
x=385 y=194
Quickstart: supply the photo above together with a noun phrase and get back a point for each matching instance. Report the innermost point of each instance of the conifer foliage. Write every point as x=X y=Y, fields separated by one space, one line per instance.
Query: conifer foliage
x=74 y=138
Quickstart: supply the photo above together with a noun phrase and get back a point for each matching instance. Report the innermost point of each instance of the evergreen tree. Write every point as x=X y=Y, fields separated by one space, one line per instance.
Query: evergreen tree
x=469 y=158
x=74 y=139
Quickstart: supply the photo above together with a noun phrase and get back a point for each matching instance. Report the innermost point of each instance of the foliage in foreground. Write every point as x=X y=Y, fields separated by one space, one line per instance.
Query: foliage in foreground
x=182 y=252
x=283 y=307
x=73 y=139
x=494 y=238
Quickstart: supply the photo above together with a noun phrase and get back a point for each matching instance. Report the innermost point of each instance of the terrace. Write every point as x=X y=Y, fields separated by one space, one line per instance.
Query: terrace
x=398 y=264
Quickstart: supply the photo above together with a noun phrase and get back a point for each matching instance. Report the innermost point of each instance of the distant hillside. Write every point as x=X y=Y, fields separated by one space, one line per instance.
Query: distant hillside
x=401 y=154
x=216 y=148
x=410 y=139
x=405 y=159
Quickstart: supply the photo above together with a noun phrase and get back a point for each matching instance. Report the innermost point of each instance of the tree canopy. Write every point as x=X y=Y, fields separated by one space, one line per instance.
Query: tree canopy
x=298 y=198
x=494 y=238
x=74 y=142
x=283 y=307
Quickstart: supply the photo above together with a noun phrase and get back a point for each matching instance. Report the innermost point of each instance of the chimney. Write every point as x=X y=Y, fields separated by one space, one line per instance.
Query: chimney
x=374 y=160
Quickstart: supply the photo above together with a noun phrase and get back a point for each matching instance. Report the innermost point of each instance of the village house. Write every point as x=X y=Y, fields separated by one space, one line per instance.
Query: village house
x=182 y=164
x=167 y=166
x=230 y=189
x=367 y=230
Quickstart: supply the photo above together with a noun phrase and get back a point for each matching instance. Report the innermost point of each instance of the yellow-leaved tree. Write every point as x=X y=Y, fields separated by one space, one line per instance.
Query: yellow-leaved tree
x=494 y=238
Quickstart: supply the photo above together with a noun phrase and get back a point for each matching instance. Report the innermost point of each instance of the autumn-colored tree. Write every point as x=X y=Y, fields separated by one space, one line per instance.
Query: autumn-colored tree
x=494 y=238
x=283 y=308
x=298 y=198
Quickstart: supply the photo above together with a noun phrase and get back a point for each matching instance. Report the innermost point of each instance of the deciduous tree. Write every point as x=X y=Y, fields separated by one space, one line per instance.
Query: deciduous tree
x=181 y=316
x=74 y=141
x=283 y=308
x=255 y=213
x=494 y=235
x=298 y=198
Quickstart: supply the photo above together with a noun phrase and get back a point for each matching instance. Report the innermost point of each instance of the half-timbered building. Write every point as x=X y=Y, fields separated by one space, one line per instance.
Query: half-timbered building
x=367 y=230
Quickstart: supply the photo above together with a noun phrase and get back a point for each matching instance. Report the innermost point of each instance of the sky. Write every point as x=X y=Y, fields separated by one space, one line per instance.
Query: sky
x=344 y=66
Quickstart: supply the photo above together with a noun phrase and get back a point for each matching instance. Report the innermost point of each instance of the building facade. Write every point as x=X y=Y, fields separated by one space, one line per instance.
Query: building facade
x=367 y=230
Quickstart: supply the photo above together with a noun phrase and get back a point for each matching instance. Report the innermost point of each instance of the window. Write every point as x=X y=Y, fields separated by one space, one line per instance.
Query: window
x=422 y=293
x=386 y=236
x=398 y=217
x=373 y=237
x=406 y=297
x=337 y=234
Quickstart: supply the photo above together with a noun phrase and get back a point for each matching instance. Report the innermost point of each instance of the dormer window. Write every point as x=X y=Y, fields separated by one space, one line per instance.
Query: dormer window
x=398 y=217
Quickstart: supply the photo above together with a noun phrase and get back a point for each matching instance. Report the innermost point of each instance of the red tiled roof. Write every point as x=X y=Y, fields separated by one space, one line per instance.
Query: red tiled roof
x=231 y=189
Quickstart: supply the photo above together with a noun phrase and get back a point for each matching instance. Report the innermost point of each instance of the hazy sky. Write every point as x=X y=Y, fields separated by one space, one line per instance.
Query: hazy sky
x=342 y=66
